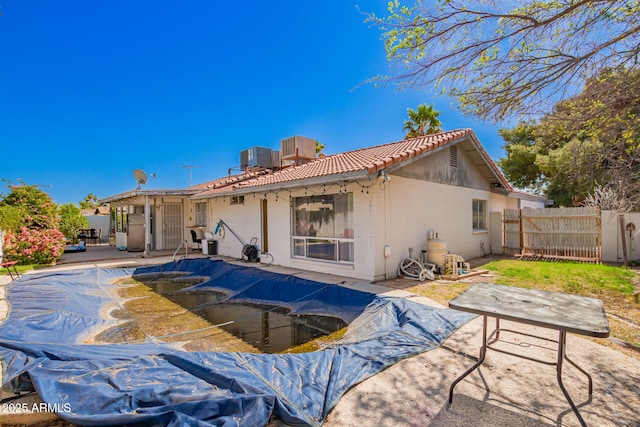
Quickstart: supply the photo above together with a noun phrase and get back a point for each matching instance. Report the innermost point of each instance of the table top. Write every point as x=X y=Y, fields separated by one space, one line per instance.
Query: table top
x=553 y=310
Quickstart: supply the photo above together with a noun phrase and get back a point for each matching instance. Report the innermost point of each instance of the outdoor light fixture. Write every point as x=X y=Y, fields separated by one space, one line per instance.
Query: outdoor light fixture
x=384 y=176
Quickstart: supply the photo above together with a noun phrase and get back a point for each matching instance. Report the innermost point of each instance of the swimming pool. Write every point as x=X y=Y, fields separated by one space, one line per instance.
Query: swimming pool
x=45 y=346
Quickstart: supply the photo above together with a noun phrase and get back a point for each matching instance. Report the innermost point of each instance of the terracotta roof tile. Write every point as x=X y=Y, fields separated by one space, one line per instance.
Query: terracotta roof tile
x=370 y=159
x=229 y=180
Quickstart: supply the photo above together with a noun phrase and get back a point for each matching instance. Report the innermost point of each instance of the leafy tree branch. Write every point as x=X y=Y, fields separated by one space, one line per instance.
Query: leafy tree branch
x=501 y=62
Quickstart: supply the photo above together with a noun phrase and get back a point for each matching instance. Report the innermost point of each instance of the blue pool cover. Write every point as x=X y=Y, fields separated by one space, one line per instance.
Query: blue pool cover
x=51 y=314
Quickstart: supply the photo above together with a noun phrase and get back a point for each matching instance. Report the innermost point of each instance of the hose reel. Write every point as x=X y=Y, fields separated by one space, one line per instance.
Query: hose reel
x=413 y=269
x=250 y=252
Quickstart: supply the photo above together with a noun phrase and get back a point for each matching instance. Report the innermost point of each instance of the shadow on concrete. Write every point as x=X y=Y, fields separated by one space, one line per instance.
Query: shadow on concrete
x=466 y=411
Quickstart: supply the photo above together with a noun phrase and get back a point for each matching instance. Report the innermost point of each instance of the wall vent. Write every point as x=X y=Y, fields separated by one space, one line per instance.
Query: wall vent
x=453 y=156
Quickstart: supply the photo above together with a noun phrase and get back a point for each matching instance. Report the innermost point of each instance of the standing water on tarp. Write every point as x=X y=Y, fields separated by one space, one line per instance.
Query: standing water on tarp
x=267 y=328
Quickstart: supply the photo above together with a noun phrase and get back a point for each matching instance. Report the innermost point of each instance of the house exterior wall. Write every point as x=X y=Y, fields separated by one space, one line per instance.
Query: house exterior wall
x=397 y=214
x=612 y=241
x=245 y=220
x=428 y=194
x=413 y=208
x=431 y=195
x=524 y=203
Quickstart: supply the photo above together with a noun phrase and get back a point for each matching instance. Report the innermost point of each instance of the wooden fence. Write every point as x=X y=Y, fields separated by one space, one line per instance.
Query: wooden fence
x=558 y=233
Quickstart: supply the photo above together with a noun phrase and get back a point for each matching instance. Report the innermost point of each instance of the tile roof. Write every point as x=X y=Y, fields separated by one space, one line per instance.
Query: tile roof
x=368 y=160
x=229 y=180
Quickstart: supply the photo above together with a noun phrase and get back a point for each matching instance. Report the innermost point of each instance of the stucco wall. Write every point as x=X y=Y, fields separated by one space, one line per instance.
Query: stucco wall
x=415 y=207
x=100 y=222
x=612 y=241
x=245 y=220
x=437 y=168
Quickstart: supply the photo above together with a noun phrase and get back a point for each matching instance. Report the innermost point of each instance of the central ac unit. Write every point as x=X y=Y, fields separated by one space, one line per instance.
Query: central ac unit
x=256 y=157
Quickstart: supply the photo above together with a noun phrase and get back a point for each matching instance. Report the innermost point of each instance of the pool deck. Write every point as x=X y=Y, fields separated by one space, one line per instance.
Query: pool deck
x=414 y=392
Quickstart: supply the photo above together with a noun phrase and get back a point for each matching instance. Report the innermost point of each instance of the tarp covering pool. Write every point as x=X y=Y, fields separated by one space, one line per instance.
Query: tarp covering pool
x=51 y=314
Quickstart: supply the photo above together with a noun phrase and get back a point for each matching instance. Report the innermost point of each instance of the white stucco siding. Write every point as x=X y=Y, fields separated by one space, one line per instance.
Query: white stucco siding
x=500 y=202
x=612 y=250
x=437 y=167
x=246 y=221
x=419 y=206
x=243 y=219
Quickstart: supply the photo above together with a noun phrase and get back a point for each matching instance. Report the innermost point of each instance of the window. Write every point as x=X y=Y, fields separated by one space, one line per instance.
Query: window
x=121 y=219
x=201 y=214
x=479 y=215
x=323 y=227
x=237 y=200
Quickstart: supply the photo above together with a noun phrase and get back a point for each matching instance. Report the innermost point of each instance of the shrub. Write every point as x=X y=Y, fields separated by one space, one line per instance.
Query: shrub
x=35 y=207
x=71 y=221
x=34 y=246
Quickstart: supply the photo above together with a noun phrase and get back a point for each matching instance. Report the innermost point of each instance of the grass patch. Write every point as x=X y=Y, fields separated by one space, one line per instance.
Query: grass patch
x=574 y=278
x=22 y=268
x=613 y=285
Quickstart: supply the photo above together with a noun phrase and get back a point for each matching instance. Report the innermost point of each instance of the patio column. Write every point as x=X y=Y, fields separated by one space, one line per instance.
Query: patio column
x=147 y=226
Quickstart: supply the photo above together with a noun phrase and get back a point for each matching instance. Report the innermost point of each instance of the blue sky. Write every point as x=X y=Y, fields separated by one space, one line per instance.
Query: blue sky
x=91 y=90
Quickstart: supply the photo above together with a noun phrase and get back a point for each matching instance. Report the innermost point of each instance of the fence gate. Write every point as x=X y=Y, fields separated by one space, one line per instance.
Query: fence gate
x=558 y=233
x=512 y=232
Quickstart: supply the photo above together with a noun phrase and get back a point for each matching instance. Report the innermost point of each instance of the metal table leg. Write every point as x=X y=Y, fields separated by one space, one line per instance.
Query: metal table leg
x=483 y=352
x=562 y=344
x=562 y=356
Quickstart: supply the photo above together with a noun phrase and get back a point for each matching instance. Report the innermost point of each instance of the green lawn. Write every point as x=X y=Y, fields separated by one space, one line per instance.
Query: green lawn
x=574 y=278
x=615 y=286
x=22 y=268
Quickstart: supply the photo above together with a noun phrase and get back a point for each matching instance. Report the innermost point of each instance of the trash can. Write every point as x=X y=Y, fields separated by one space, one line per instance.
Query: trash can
x=212 y=247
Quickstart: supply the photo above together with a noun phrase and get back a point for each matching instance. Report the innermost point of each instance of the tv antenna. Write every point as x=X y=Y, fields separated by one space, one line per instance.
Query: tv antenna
x=190 y=167
x=141 y=177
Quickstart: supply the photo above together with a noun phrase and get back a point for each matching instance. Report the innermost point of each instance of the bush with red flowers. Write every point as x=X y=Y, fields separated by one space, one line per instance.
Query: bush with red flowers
x=34 y=246
x=30 y=220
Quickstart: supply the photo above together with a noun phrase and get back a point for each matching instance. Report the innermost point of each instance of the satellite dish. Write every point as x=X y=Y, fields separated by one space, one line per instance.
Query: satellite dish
x=140 y=176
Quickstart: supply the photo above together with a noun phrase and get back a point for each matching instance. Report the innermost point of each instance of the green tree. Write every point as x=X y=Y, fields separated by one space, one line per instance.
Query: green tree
x=32 y=230
x=421 y=122
x=588 y=145
x=89 y=202
x=71 y=221
x=501 y=59
x=319 y=149
x=520 y=167
x=10 y=217
x=35 y=208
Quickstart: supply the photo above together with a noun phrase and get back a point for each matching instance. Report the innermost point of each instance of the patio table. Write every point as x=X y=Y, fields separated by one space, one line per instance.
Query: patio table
x=552 y=310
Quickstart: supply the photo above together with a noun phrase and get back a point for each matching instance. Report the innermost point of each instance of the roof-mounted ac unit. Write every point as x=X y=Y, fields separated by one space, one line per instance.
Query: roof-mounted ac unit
x=256 y=157
x=298 y=147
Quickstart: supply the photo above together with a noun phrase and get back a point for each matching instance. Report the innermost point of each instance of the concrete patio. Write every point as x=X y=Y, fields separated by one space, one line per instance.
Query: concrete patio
x=505 y=391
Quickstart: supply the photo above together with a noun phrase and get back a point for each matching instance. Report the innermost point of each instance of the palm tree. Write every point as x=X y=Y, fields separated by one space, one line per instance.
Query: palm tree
x=423 y=121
